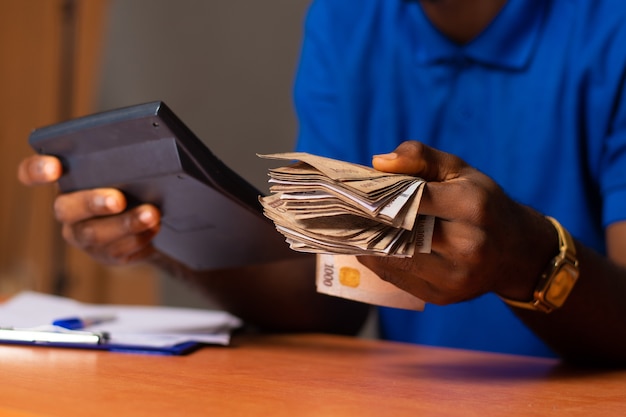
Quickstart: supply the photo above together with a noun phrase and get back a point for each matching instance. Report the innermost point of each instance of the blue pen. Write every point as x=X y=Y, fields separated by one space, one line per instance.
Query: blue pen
x=76 y=323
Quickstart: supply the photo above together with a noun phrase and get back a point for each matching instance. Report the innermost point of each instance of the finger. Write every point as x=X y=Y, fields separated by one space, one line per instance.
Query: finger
x=471 y=198
x=39 y=169
x=408 y=275
x=81 y=205
x=446 y=274
x=453 y=200
x=415 y=158
x=430 y=277
x=454 y=189
x=96 y=234
x=129 y=249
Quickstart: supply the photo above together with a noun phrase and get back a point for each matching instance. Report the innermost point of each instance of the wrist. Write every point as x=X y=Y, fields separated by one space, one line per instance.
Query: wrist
x=558 y=278
x=530 y=259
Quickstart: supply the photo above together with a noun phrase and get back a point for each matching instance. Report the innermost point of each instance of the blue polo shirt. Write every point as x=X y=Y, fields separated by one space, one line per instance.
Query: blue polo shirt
x=536 y=101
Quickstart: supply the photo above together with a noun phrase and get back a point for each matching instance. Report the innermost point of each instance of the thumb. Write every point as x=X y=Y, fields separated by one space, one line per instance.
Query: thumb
x=415 y=158
x=39 y=169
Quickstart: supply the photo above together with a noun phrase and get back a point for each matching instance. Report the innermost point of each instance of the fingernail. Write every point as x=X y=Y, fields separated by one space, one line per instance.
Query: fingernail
x=108 y=202
x=46 y=168
x=146 y=217
x=387 y=156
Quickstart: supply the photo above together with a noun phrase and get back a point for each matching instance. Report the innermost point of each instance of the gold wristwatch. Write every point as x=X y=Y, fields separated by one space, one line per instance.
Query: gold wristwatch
x=559 y=278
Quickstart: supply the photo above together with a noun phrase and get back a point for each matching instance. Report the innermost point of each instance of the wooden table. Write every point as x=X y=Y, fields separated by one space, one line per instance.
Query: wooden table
x=301 y=375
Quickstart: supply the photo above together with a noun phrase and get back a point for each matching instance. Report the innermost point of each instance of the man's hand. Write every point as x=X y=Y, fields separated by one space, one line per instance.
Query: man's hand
x=483 y=241
x=95 y=220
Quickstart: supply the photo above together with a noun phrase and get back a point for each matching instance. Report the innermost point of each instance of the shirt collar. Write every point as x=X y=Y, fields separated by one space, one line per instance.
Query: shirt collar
x=508 y=42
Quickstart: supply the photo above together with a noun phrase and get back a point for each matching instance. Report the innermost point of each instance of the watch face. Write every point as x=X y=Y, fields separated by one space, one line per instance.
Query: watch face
x=561 y=284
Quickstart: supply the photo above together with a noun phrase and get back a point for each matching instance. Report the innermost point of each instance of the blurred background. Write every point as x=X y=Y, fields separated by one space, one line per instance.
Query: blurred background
x=225 y=67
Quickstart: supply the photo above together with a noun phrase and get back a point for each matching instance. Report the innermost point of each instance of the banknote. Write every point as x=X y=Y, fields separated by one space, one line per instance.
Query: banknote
x=322 y=205
x=339 y=210
x=347 y=234
x=344 y=276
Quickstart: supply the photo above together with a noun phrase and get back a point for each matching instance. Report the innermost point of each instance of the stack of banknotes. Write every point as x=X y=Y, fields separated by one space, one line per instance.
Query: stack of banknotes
x=340 y=210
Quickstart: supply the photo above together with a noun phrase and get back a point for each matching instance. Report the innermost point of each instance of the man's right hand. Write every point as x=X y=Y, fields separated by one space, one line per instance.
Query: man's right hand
x=95 y=220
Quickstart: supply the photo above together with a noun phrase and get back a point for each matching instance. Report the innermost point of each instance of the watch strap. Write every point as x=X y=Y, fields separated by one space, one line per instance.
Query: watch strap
x=566 y=257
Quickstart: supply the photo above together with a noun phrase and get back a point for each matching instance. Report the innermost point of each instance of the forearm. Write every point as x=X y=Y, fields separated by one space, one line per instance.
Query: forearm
x=591 y=325
x=280 y=296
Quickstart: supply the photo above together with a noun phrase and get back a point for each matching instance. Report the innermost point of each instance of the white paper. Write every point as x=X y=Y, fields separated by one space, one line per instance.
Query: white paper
x=148 y=326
